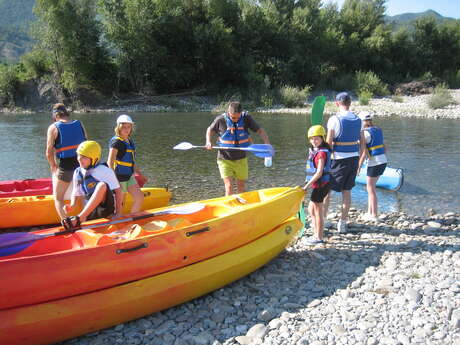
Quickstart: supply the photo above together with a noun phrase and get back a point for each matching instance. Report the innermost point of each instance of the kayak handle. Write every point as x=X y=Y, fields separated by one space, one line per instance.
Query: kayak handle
x=191 y=233
x=143 y=245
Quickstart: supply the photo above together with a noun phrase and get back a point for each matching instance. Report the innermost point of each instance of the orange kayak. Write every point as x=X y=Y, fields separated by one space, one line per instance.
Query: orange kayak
x=50 y=322
x=30 y=186
x=102 y=256
x=40 y=209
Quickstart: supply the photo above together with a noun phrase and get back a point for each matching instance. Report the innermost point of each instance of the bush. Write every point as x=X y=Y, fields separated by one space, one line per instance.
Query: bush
x=441 y=97
x=343 y=82
x=292 y=96
x=364 y=97
x=371 y=83
x=35 y=64
x=8 y=84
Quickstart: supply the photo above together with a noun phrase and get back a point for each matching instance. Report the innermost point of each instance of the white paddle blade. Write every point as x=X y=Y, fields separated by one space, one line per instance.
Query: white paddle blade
x=183 y=146
x=186 y=209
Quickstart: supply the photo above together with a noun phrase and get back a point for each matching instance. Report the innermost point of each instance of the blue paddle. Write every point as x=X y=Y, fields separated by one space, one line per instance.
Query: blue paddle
x=258 y=150
x=12 y=243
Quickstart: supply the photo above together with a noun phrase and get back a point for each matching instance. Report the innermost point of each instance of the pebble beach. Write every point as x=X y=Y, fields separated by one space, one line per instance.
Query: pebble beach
x=391 y=282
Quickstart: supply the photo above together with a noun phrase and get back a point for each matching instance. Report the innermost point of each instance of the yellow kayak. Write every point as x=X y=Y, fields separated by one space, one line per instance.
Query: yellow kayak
x=56 y=320
x=40 y=210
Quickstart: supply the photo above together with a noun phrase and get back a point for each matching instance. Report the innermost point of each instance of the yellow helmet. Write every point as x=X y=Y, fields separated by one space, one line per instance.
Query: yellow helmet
x=316 y=131
x=90 y=149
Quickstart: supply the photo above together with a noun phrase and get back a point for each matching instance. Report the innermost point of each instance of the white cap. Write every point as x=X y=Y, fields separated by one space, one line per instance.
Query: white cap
x=366 y=115
x=124 y=119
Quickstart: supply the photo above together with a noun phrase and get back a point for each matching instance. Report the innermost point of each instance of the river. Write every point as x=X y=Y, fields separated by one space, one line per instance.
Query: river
x=427 y=150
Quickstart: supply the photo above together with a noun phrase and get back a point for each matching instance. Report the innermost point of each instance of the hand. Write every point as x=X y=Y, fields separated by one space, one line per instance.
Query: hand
x=208 y=146
x=67 y=208
x=54 y=169
x=305 y=187
x=141 y=179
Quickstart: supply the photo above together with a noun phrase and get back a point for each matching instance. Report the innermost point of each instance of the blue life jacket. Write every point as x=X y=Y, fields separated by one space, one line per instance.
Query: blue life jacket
x=87 y=182
x=71 y=134
x=311 y=167
x=348 y=138
x=125 y=165
x=235 y=135
x=375 y=146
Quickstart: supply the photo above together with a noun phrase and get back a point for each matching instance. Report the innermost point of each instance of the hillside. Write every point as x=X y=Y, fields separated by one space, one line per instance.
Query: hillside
x=15 y=19
x=408 y=19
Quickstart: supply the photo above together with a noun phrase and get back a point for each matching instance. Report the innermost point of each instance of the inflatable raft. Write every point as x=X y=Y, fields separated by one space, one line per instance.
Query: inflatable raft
x=392 y=178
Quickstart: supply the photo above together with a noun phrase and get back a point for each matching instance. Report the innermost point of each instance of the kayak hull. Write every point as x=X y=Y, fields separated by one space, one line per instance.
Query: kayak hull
x=110 y=255
x=40 y=210
x=392 y=178
x=66 y=318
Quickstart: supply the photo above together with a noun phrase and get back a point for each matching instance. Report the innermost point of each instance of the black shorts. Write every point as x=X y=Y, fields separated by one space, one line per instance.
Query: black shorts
x=66 y=168
x=343 y=173
x=377 y=170
x=318 y=194
x=106 y=208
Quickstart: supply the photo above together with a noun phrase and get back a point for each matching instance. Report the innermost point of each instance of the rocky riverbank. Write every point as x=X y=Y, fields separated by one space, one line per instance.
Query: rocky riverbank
x=392 y=282
x=402 y=106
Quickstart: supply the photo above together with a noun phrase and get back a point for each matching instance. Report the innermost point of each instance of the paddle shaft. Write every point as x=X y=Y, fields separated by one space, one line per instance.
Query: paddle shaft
x=232 y=148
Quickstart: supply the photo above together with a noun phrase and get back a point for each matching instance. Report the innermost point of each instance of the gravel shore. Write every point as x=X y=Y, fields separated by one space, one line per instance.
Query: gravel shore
x=408 y=106
x=391 y=282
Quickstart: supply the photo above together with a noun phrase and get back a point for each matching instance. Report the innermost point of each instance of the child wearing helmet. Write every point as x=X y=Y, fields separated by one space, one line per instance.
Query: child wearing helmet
x=318 y=170
x=97 y=184
x=375 y=154
x=122 y=152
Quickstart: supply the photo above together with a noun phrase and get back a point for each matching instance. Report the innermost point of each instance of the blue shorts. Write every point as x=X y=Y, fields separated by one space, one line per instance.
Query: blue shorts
x=377 y=170
x=343 y=173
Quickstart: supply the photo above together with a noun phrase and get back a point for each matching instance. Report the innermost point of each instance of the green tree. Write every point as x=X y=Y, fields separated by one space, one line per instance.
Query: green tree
x=68 y=29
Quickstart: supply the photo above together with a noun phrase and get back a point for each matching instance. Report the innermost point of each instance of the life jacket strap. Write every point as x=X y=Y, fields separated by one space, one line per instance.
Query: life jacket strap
x=66 y=148
x=126 y=164
x=345 y=143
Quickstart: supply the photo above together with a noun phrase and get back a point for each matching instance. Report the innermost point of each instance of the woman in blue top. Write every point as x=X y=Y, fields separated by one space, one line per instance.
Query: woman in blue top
x=122 y=153
x=376 y=162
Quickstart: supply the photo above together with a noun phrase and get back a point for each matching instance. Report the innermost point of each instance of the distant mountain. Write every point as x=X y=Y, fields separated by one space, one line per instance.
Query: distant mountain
x=408 y=19
x=15 y=19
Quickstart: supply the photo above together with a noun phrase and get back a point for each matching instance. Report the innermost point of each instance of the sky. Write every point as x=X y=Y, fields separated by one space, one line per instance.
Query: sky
x=446 y=8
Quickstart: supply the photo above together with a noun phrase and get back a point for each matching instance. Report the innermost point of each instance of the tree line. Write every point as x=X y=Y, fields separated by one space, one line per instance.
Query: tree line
x=164 y=46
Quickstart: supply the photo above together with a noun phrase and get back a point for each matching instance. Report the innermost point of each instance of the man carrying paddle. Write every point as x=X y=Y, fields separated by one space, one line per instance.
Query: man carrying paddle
x=232 y=128
x=346 y=138
x=63 y=138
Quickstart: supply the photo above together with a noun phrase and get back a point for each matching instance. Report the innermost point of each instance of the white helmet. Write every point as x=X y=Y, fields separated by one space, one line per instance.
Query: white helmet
x=124 y=119
x=366 y=115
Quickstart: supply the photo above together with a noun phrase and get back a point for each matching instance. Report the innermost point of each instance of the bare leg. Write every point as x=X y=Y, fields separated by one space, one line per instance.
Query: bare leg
x=319 y=220
x=59 y=189
x=326 y=202
x=346 y=202
x=241 y=186
x=228 y=183
x=138 y=198
x=372 y=196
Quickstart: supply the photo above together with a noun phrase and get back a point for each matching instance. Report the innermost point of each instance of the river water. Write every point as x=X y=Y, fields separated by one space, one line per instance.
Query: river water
x=427 y=150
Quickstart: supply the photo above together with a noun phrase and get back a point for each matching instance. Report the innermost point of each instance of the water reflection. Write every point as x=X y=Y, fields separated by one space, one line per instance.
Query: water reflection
x=427 y=150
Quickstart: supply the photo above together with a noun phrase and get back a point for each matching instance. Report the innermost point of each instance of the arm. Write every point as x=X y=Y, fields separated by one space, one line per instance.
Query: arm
x=330 y=137
x=111 y=158
x=362 y=150
x=318 y=173
x=209 y=132
x=263 y=135
x=50 y=152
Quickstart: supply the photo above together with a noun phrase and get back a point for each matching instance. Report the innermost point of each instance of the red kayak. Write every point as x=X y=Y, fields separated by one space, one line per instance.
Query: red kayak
x=30 y=187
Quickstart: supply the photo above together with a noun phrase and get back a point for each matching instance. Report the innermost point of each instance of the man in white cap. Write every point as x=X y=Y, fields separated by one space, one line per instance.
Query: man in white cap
x=346 y=138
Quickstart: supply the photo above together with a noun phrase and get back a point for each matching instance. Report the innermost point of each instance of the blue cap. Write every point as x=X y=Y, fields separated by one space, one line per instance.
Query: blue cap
x=343 y=97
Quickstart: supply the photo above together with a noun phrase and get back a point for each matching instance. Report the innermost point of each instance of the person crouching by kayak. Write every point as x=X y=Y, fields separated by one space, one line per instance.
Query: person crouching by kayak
x=233 y=128
x=318 y=176
x=63 y=138
x=122 y=153
x=97 y=184
x=376 y=162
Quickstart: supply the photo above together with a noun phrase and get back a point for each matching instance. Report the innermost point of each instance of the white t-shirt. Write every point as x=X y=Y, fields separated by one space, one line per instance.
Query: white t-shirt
x=334 y=124
x=372 y=161
x=101 y=173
